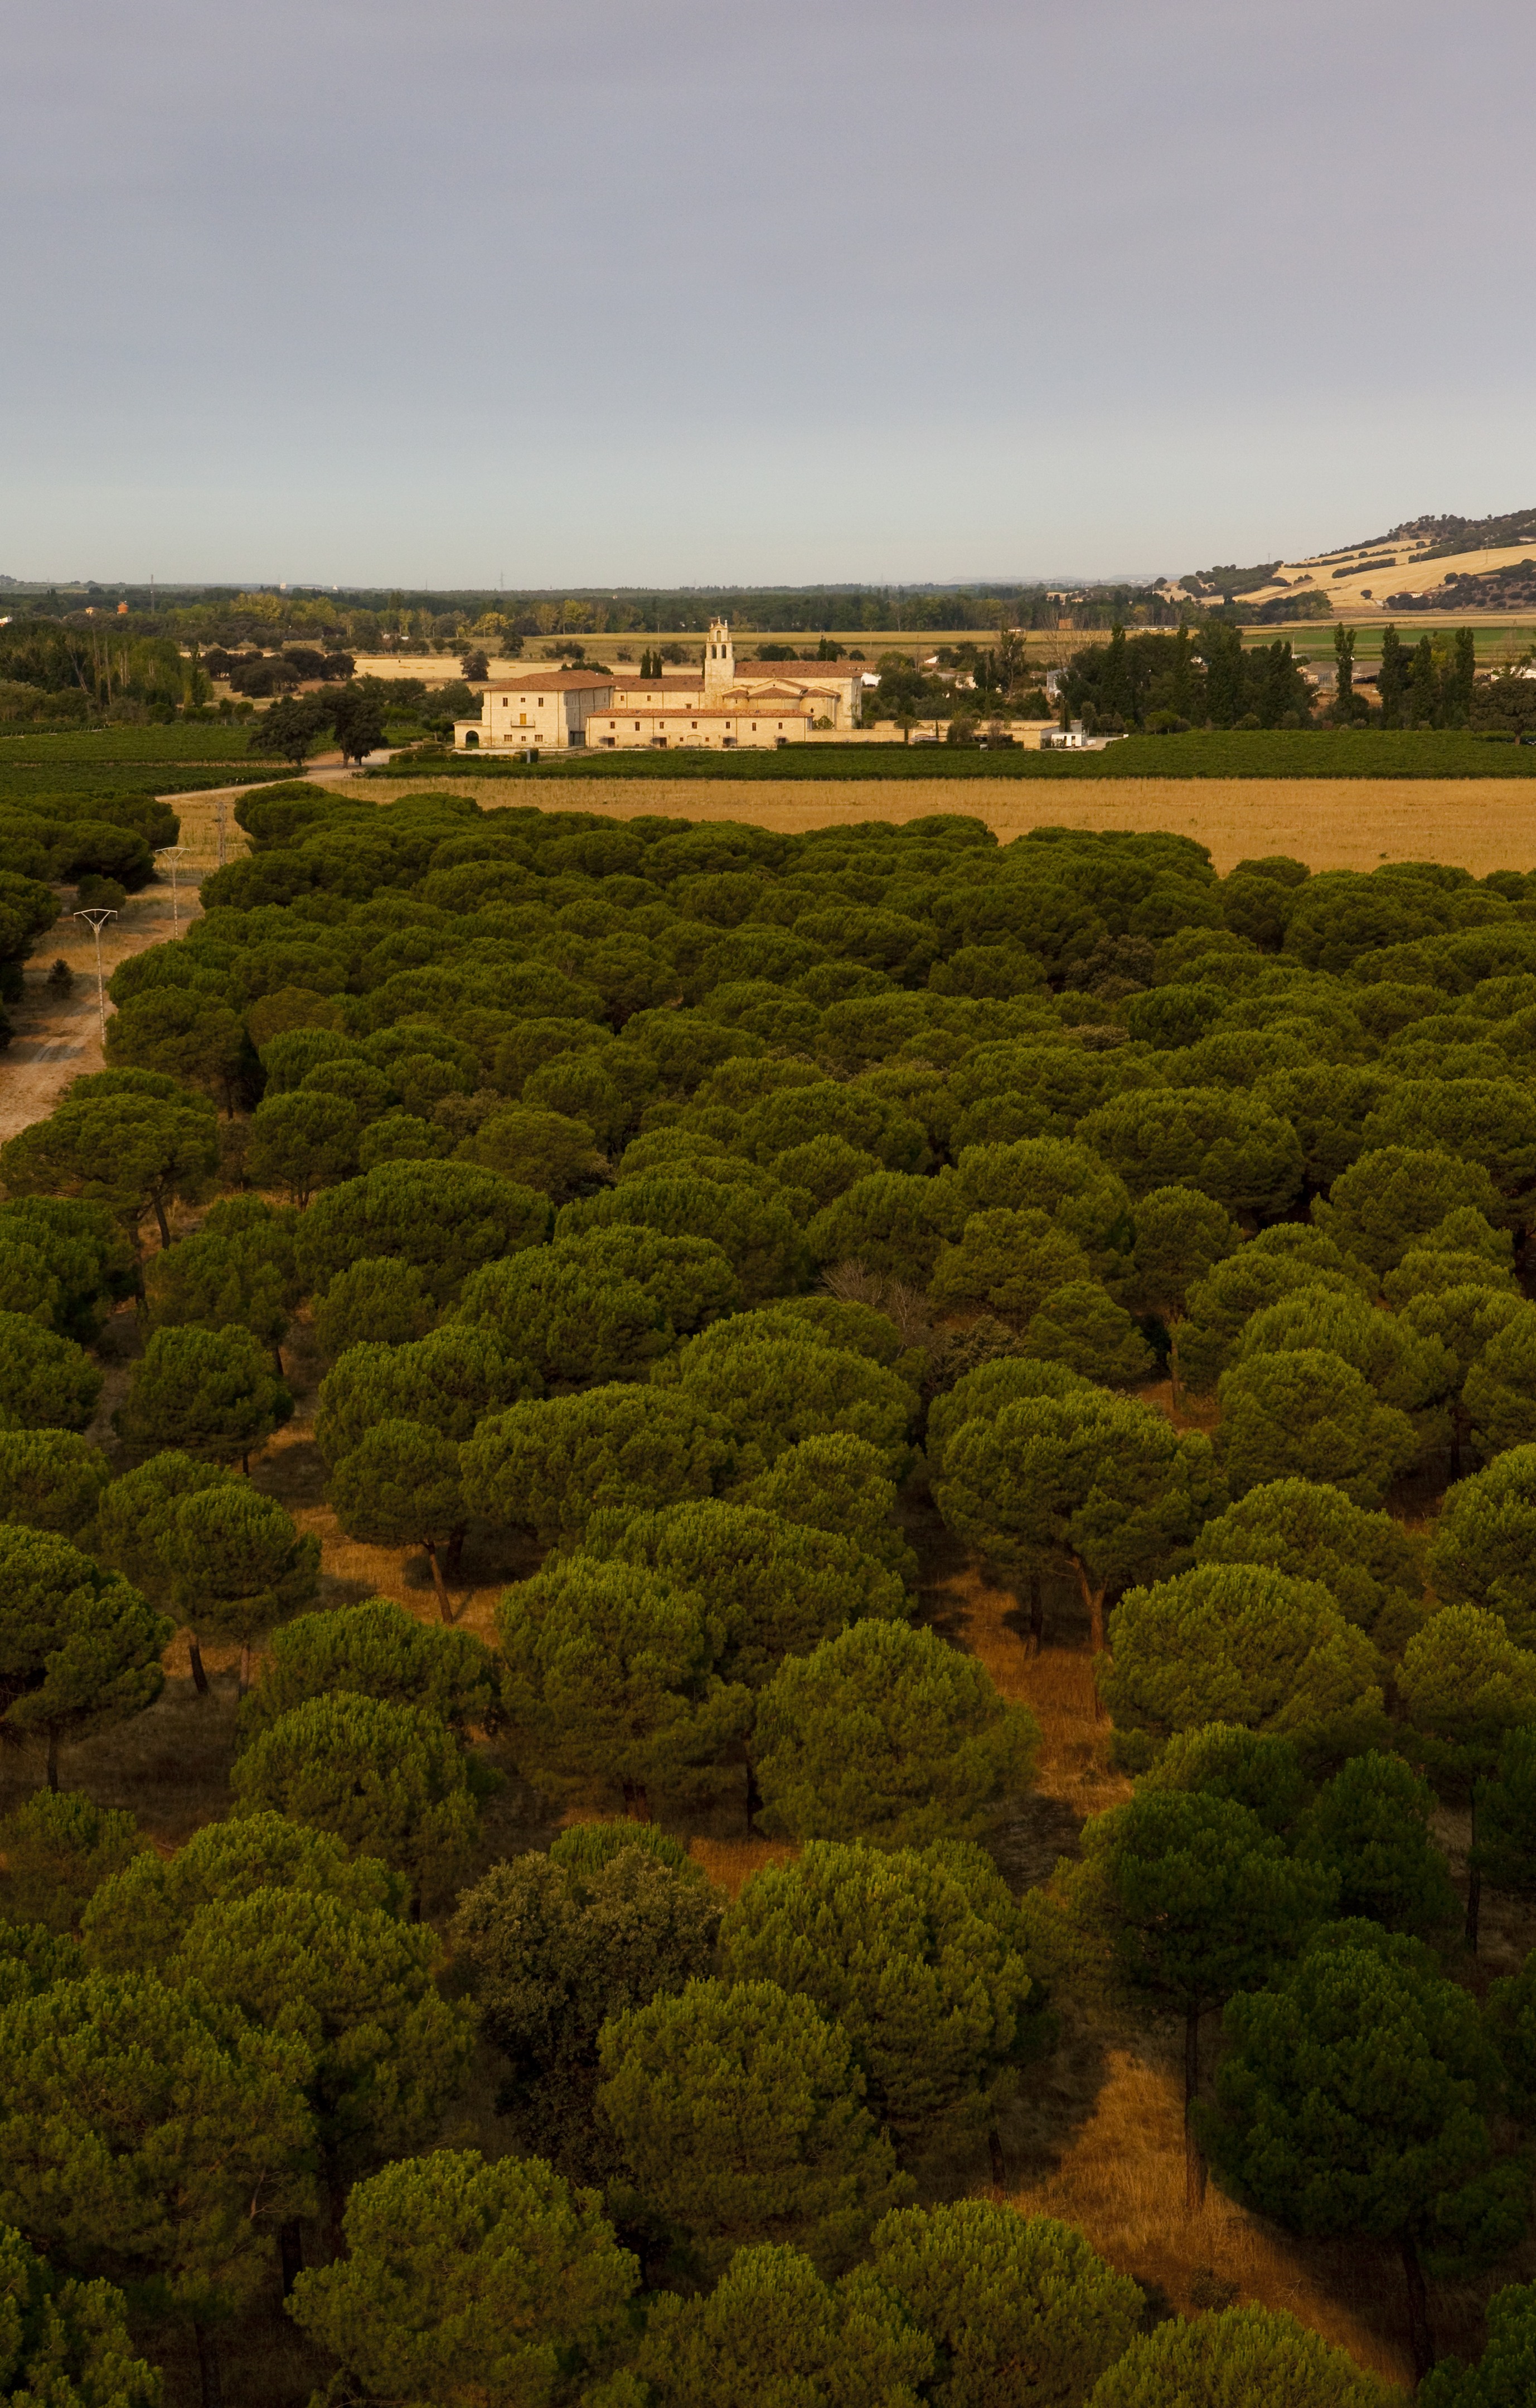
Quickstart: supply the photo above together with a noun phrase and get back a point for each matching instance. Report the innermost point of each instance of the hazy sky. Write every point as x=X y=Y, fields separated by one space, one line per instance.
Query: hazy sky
x=662 y=291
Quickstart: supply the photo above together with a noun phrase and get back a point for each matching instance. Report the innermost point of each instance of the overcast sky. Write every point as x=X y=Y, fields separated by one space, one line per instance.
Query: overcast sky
x=667 y=290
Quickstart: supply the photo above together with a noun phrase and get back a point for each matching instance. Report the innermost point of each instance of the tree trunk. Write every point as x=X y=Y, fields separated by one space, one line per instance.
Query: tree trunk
x=1420 y=2339
x=1173 y=1362
x=994 y=2153
x=245 y=1668
x=1037 y=1615
x=291 y=2253
x=455 y=1549
x=444 y=1609
x=1193 y=2159
x=208 y=2366
x=199 y=1678
x=755 y=1796
x=53 y=1761
x=637 y=1806
x=166 y=1240
x=336 y=2200
x=1093 y=1599
x=1474 y=1880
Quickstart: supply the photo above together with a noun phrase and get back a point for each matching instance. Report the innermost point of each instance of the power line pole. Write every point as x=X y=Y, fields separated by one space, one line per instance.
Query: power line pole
x=172 y=852
x=97 y=919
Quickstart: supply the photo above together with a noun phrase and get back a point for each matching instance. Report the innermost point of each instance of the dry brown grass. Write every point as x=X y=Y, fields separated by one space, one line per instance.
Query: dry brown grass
x=1478 y=824
x=1120 y=2181
x=730 y=1864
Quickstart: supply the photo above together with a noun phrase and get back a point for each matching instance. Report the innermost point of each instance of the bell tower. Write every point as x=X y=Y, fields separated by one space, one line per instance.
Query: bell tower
x=719 y=659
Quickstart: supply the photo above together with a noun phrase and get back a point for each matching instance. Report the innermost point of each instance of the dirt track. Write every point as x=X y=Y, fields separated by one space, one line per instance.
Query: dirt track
x=1479 y=824
x=59 y=1039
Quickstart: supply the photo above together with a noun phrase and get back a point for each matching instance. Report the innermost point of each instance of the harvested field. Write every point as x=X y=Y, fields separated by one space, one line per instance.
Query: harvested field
x=1478 y=824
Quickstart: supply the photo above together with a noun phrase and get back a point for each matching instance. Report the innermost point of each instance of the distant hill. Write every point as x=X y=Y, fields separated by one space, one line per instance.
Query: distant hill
x=1478 y=565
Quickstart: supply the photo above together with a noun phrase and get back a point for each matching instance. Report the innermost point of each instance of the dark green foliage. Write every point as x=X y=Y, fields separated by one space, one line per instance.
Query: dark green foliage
x=80 y=1650
x=447 y=1218
x=555 y=1307
x=386 y=1779
x=376 y=1650
x=1021 y=2309
x=837 y=1483
x=609 y=1685
x=58 y=1849
x=380 y=1300
x=1309 y=2132
x=550 y=1466
x=63 y=1263
x=46 y=1382
x=1505 y=1850
x=1253 y=1769
x=65 y=2343
x=555 y=1944
x=134 y=1918
x=771 y=2325
x=777 y=1586
x=1391 y=1196
x=1482 y=1552
x=400 y=1485
x=357 y=1988
x=757 y=1233
x=1233 y=1148
x=302 y=1142
x=1243 y=2354
x=448 y=1381
x=110 y=2171
x=232 y=1273
x=771 y=1391
x=737 y=2111
x=1370 y=1826
x=454 y=2262
x=130 y=1140
x=887 y=1734
x=918 y=1954
x=49 y=1479
x=1086 y=1480
x=1309 y=1414
x=1505 y=2374
x=1366 y=1562
x=1239 y=1643
x=206 y=1391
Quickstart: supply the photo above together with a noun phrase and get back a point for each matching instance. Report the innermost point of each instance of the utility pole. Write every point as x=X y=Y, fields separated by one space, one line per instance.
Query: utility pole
x=97 y=919
x=173 y=852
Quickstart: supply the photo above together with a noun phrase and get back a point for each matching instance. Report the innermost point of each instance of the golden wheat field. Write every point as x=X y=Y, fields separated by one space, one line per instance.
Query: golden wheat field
x=1478 y=824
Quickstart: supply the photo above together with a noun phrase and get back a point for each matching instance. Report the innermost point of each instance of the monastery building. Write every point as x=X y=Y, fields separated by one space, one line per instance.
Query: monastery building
x=761 y=704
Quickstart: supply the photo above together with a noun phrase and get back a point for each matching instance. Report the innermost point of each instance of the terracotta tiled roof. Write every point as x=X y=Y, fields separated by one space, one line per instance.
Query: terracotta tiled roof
x=802 y=669
x=682 y=710
x=552 y=681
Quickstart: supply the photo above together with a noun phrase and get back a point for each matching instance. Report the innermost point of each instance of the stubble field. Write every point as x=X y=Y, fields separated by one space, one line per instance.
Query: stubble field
x=1479 y=823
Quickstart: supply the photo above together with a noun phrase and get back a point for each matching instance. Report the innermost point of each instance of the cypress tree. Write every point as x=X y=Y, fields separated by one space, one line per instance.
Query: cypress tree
x=1393 y=682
